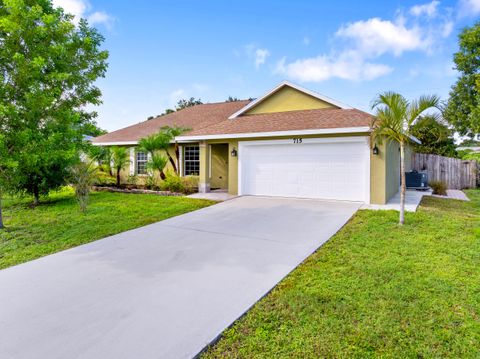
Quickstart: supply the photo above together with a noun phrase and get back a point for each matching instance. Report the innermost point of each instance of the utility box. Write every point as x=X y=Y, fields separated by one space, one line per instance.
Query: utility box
x=416 y=180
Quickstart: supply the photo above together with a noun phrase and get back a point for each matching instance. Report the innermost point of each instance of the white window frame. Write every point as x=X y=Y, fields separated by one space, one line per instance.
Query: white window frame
x=185 y=160
x=143 y=161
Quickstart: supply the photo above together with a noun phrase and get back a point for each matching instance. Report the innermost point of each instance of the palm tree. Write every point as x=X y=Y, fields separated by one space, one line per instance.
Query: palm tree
x=158 y=162
x=152 y=145
x=395 y=116
x=120 y=159
x=173 y=133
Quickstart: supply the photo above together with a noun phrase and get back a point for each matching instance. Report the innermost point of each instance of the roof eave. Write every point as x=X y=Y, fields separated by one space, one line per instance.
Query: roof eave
x=306 y=132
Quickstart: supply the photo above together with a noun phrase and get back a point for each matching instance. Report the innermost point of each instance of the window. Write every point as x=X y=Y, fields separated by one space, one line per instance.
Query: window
x=192 y=161
x=141 y=166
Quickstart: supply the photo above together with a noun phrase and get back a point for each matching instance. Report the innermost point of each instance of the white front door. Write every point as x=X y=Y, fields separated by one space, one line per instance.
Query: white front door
x=328 y=168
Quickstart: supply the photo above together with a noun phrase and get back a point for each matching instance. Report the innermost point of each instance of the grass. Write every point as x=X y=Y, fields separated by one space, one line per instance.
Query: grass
x=57 y=224
x=376 y=290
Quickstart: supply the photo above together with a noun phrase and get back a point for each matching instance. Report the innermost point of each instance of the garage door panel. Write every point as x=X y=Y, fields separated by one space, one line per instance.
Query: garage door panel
x=330 y=170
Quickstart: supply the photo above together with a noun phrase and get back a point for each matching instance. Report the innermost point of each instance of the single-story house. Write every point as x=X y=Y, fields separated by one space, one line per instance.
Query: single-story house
x=290 y=142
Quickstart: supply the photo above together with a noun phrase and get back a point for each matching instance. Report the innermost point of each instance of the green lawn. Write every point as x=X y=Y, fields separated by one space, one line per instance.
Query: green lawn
x=57 y=223
x=376 y=290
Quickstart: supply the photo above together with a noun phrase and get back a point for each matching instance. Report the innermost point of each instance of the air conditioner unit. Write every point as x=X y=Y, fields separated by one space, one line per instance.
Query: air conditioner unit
x=416 y=180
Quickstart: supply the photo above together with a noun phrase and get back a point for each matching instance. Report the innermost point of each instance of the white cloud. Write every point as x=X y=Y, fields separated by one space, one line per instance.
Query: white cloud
x=359 y=45
x=375 y=37
x=260 y=57
x=447 y=28
x=469 y=8
x=347 y=66
x=257 y=54
x=82 y=9
x=428 y=9
x=100 y=17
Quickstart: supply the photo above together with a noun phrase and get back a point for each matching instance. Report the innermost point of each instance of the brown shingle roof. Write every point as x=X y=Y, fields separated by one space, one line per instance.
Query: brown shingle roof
x=289 y=121
x=195 y=118
x=212 y=119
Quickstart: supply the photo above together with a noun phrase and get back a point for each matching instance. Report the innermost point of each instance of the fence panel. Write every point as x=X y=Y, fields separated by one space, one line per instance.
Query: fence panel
x=456 y=173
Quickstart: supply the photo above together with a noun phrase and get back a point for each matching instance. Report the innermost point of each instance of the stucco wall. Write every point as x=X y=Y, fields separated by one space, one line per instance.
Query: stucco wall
x=288 y=99
x=392 y=169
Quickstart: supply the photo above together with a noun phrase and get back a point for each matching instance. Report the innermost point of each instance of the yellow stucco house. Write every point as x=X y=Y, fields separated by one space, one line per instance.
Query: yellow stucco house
x=290 y=142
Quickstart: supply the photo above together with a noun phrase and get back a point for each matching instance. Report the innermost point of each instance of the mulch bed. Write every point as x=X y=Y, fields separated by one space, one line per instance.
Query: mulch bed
x=135 y=191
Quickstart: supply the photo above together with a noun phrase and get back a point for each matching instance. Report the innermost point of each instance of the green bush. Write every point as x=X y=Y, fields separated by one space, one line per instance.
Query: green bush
x=132 y=180
x=151 y=182
x=469 y=155
x=174 y=183
x=191 y=183
x=438 y=187
x=104 y=179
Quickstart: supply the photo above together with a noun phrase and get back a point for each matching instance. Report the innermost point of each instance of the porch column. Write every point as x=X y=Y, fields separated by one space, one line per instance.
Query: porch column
x=204 y=180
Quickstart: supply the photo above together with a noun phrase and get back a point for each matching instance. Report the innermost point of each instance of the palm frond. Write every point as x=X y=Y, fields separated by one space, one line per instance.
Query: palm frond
x=420 y=105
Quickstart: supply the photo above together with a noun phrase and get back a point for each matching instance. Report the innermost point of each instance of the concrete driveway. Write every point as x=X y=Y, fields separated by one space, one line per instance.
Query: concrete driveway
x=164 y=290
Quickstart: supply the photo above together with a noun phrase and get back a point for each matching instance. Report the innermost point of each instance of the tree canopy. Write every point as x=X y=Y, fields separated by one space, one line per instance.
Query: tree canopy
x=435 y=136
x=463 y=107
x=48 y=69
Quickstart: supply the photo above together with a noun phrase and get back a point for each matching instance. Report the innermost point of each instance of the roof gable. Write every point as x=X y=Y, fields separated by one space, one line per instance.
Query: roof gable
x=288 y=97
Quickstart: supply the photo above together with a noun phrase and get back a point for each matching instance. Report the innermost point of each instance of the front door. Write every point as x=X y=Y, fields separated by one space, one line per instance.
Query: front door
x=219 y=166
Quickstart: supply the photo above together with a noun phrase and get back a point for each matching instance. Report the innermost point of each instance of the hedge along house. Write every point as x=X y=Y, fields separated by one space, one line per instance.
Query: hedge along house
x=291 y=142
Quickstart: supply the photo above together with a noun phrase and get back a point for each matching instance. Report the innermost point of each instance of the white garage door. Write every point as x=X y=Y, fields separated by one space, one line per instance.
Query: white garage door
x=334 y=168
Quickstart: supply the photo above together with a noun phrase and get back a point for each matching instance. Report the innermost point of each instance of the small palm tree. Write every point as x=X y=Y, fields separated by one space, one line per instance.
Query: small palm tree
x=82 y=176
x=152 y=145
x=158 y=162
x=120 y=159
x=395 y=116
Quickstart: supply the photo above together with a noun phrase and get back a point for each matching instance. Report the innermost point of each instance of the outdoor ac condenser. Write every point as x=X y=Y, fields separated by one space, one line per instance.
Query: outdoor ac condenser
x=417 y=180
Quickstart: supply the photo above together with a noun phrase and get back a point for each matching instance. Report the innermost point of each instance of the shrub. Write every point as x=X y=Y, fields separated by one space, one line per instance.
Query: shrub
x=104 y=179
x=191 y=184
x=173 y=183
x=438 y=187
x=151 y=182
x=82 y=176
x=132 y=180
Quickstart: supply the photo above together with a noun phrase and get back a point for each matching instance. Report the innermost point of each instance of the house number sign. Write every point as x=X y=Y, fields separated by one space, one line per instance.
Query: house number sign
x=297 y=140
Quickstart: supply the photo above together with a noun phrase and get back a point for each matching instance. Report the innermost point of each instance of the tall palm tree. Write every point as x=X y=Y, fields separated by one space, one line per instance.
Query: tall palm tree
x=394 y=118
x=120 y=158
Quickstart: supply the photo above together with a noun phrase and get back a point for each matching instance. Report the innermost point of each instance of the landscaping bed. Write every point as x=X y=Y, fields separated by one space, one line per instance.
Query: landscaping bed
x=134 y=190
x=376 y=289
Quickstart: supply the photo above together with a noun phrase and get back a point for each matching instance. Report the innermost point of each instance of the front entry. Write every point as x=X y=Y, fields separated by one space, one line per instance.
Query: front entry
x=219 y=166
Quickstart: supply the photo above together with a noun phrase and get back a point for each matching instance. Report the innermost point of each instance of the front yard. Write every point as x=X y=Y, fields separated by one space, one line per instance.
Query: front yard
x=376 y=290
x=57 y=224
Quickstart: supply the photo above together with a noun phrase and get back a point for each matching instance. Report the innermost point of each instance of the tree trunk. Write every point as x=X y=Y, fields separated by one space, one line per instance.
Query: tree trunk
x=118 y=177
x=172 y=162
x=403 y=183
x=36 y=196
x=162 y=175
x=177 y=157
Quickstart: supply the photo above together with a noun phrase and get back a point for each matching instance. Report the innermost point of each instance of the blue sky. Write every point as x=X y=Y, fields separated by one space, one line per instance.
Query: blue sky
x=161 y=51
